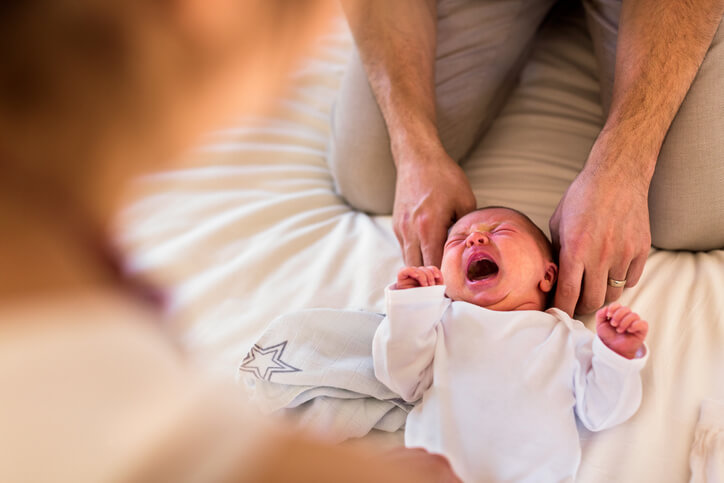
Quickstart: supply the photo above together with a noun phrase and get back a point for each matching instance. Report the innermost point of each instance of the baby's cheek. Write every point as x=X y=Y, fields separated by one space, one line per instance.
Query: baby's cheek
x=453 y=275
x=450 y=271
x=454 y=288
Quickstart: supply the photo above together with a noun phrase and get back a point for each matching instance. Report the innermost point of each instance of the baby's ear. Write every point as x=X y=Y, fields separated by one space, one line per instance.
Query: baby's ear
x=549 y=277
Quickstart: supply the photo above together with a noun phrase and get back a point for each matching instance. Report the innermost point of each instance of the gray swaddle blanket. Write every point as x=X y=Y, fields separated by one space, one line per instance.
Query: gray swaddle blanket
x=316 y=365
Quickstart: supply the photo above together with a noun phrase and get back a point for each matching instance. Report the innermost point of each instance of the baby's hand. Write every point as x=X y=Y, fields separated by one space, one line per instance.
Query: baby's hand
x=410 y=277
x=622 y=330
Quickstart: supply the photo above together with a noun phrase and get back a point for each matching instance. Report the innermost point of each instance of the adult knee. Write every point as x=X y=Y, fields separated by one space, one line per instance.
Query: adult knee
x=360 y=178
x=686 y=202
x=697 y=229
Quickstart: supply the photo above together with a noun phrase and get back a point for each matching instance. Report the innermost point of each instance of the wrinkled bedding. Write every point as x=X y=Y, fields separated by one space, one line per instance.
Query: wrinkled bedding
x=251 y=228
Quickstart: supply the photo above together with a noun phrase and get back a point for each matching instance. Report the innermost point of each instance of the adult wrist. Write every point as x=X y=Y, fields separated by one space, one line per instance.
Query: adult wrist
x=622 y=155
x=413 y=148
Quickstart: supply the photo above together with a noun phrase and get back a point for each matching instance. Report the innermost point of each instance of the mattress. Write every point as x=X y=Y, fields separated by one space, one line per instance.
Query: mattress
x=250 y=227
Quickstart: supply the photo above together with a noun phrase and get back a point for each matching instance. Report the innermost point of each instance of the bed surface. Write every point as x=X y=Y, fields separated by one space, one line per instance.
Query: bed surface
x=251 y=228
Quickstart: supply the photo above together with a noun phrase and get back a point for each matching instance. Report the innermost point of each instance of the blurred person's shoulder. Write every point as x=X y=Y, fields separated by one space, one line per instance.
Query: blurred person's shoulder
x=94 y=389
x=83 y=326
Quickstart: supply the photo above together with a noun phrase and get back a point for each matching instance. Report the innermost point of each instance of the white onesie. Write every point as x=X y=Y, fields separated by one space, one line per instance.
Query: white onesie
x=499 y=389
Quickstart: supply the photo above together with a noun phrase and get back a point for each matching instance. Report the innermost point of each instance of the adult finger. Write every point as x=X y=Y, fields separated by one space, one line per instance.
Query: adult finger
x=406 y=239
x=432 y=242
x=620 y=272
x=570 y=275
x=411 y=252
x=593 y=291
x=636 y=269
x=553 y=226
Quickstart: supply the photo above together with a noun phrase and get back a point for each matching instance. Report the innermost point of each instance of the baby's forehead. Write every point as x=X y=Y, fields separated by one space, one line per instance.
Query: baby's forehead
x=490 y=217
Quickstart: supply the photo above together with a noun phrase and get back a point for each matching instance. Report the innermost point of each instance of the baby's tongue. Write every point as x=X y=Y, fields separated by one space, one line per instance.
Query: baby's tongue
x=480 y=269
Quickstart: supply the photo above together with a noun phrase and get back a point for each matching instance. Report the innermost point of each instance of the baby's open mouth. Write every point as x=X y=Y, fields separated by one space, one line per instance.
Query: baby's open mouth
x=481 y=269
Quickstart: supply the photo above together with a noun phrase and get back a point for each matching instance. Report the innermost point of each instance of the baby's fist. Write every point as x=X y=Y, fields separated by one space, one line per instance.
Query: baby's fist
x=410 y=277
x=621 y=329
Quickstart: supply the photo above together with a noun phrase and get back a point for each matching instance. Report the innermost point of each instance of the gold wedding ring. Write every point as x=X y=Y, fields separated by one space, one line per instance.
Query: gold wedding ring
x=616 y=283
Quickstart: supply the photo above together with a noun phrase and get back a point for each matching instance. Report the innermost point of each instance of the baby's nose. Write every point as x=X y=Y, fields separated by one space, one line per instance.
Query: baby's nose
x=477 y=238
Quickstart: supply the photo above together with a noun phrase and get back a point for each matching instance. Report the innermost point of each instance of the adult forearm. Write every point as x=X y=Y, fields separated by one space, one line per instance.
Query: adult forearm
x=396 y=41
x=661 y=45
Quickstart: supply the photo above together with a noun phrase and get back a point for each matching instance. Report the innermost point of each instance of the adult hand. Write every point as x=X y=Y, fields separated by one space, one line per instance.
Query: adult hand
x=429 y=197
x=431 y=467
x=294 y=457
x=601 y=230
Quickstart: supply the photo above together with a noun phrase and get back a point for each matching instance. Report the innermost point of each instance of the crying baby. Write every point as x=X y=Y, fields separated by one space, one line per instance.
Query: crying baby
x=499 y=377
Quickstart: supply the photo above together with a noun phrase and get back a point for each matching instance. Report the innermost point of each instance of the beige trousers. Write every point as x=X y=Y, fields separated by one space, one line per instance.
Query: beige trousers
x=482 y=47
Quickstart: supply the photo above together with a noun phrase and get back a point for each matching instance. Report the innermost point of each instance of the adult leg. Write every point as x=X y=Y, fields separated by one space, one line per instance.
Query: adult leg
x=481 y=47
x=686 y=199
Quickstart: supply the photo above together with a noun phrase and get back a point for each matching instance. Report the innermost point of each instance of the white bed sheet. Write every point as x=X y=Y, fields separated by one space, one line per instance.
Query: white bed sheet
x=251 y=228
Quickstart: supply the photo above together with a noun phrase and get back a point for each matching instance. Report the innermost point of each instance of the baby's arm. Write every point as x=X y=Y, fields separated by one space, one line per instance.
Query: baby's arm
x=621 y=329
x=608 y=381
x=404 y=344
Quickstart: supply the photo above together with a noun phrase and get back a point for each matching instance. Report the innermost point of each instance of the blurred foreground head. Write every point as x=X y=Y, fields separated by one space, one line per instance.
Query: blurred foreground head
x=93 y=91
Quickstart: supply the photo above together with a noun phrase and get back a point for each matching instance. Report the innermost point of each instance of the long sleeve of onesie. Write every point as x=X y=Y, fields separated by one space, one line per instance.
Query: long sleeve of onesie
x=607 y=385
x=404 y=344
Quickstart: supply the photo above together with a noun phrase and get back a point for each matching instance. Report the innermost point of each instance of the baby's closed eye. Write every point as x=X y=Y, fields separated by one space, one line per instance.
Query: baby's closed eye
x=454 y=241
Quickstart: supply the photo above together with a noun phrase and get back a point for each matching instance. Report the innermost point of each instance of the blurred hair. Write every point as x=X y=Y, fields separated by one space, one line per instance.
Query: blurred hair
x=79 y=78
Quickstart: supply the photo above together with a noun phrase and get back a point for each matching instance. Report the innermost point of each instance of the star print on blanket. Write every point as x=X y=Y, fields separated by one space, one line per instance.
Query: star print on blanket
x=264 y=362
x=315 y=366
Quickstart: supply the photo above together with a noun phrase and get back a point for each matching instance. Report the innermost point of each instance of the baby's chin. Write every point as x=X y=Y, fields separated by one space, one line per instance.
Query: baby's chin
x=505 y=303
x=485 y=300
